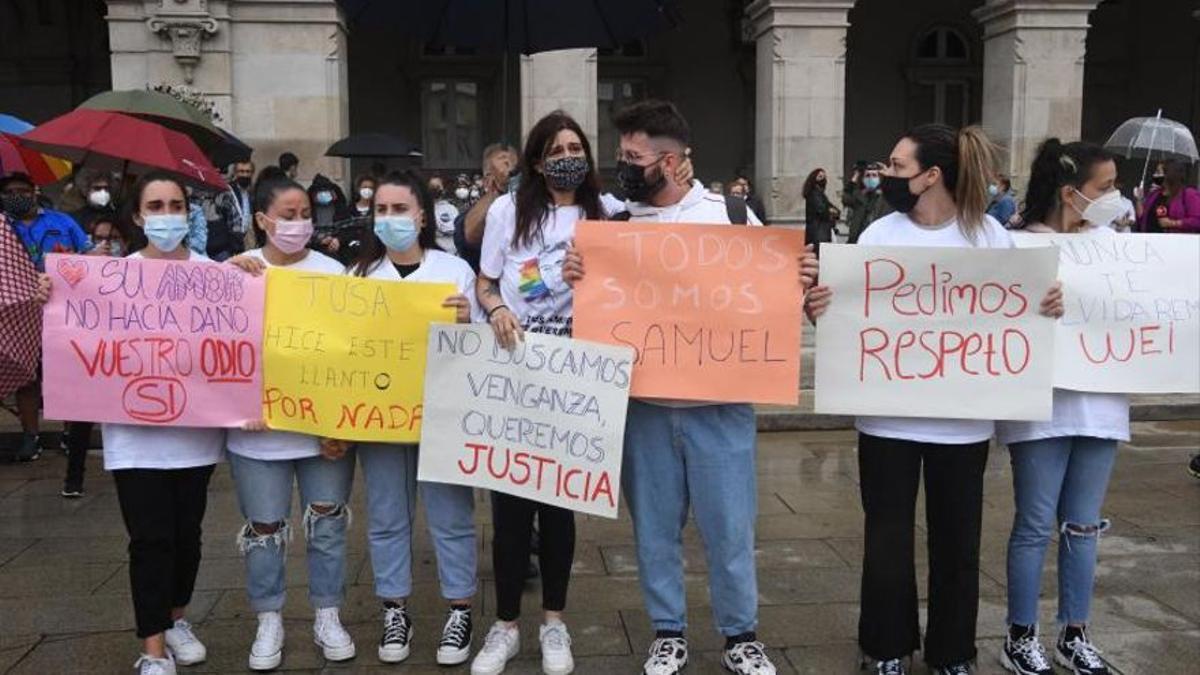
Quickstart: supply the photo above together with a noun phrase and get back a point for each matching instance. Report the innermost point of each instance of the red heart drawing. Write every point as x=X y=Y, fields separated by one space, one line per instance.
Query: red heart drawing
x=72 y=271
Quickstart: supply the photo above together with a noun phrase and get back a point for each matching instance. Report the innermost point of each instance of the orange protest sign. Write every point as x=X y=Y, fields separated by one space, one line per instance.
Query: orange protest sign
x=713 y=312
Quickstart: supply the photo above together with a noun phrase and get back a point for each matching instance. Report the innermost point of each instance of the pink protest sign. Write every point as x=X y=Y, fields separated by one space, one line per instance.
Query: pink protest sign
x=160 y=342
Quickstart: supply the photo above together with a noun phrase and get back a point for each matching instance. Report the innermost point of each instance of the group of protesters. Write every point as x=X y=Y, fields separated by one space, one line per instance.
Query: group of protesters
x=679 y=458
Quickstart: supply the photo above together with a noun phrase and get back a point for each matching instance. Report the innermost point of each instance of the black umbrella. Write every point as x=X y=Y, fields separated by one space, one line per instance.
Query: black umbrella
x=373 y=145
x=525 y=26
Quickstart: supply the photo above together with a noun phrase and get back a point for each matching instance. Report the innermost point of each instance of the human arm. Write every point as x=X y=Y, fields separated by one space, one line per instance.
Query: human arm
x=502 y=319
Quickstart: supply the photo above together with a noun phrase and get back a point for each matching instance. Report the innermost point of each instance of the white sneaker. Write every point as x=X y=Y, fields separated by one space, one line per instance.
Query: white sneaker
x=335 y=643
x=501 y=644
x=186 y=648
x=668 y=656
x=556 y=649
x=267 y=651
x=152 y=666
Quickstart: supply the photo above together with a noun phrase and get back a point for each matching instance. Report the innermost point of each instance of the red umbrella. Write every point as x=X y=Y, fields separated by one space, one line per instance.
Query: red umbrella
x=20 y=316
x=103 y=139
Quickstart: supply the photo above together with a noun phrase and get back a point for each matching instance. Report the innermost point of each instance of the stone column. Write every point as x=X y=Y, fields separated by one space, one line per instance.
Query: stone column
x=1032 y=75
x=564 y=79
x=800 y=102
x=275 y=68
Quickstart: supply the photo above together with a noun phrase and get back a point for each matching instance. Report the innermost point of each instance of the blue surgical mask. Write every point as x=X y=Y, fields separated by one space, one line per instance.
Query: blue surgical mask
x=871 y=182
x=398 y=233
x=166 y=231
x=993 y=190
x=324 y=197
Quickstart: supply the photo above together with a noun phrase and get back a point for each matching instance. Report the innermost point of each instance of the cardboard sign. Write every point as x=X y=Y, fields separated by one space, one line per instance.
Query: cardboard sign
x=936 y=332
x=1132 y=321
x=345 y=356
x=713 y=312
x=160 y=342
x=545 y=421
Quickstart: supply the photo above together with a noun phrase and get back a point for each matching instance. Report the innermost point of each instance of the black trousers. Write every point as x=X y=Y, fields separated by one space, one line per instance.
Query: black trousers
x=513 y=522
x=78 y=437
x=162 y=509
x=890 y=474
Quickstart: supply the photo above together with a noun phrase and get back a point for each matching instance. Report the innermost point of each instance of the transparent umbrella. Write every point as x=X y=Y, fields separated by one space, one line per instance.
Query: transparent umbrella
x=1153 y=137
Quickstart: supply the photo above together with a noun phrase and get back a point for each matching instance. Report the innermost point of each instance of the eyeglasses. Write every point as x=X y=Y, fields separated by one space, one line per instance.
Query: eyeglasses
x=634 y=158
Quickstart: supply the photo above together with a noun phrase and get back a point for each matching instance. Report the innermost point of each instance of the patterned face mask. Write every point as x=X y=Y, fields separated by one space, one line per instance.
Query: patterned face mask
x=565 y=173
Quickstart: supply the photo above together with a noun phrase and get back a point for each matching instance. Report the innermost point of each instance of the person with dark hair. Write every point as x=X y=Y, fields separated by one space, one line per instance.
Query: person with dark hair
x=742 y=187
x=289 y=163
x=937 y=181
x=1171 y=205
x=864 y=202
x=98 y=196
x=41 y=231
x=686 y=454
x=521 y=288
x=445 y=213
x=1003 y=206
x=820 y=215
x=1061 y=467
x=233 y=215
x=364 y=190
x=401 y=247
x=336 y=220
x=265 y=464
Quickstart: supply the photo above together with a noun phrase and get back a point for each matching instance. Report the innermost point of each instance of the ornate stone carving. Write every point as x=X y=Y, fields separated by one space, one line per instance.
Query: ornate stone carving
x=187 y=23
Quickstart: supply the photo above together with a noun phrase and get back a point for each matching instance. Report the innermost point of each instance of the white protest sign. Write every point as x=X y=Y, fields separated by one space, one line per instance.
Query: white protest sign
x=545 y=422
x=1132 y=321
x=935 y=332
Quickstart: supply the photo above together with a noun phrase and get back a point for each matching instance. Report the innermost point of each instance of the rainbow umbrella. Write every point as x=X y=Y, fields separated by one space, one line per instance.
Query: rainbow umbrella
x=43 y=169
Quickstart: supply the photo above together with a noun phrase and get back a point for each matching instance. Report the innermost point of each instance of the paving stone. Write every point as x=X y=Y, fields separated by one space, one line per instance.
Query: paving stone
x=780 y=553
x=50 y=579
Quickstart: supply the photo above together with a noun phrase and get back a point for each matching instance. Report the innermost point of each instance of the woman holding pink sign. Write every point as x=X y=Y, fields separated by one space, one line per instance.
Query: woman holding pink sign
x=936 y=180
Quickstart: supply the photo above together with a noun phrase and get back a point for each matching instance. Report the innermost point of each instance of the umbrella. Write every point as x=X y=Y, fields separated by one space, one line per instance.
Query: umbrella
x=219 y=145
x=20 y=316
x=373 y=145
x=13 y=125
x=13 y=158
x=1146 y=136
x=525 y=26
x=100 y=139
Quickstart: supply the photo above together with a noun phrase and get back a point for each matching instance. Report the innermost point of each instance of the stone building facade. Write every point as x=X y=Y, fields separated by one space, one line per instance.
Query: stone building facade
x=773 y=88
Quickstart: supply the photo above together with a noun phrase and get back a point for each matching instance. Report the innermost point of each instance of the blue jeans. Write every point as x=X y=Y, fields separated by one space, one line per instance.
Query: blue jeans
x=391 y=474
x=1058 y=484
x=671 y=456
x=264 y=490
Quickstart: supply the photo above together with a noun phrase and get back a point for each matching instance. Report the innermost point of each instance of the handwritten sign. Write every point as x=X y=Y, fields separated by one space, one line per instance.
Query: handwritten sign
x=712 y=312
x=345 y=356
x=1132 y=321
x=936 y=332
x=545 y=422
x=158 y=342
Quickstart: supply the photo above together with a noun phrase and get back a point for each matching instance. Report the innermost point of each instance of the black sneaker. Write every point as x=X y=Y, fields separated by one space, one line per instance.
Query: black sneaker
x=747 y=658
x=72 y=489
x=1075 y=652
x=397 y=633
x=1023 y=653
x=963 y=668
x=30 y=449
x=1194 y=466
x=888 y=667
x=455 y=647
x=668 y=656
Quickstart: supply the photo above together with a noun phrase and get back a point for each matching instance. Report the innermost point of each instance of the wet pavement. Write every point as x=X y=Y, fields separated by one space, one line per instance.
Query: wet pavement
x=65 y=607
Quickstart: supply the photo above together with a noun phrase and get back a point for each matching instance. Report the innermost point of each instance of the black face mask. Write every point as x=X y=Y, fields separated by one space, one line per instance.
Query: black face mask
x=821 y=183
x=897 y=193
x=18 y=205
x=631 y=178
x=243 y=182
x=1158 y=180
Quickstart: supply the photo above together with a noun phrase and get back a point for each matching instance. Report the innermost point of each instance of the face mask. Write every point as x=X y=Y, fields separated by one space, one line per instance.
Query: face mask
x=291 y=236
x=437 y=193
x=115 y=249
x=871 y=182
x=100 y=198
x=993 y=190
x=243 y=182
x=565 y=173
x=1158 y=179
x=324 y=198
x=462 y=193
x=474 y=194
x=165 y=231
x=897 y=193
x=366 y=193
x=631 y=178
x=18 y=205
x=398 y=233
x=821 y=182
x=1102 y=210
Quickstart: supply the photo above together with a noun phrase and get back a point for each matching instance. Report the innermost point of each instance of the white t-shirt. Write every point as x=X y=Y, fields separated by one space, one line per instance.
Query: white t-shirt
x=530 y=274
x=436 y=267
x=444 y=214
x=277 y=445
x=135 y=446
x=897 y=229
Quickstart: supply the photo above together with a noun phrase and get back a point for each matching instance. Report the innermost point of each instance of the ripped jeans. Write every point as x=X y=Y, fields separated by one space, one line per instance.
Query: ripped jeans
x=1059 y=486
x=264 y=490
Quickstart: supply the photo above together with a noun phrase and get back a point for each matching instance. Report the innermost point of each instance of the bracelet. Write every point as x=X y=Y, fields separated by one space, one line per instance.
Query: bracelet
x=494 y=309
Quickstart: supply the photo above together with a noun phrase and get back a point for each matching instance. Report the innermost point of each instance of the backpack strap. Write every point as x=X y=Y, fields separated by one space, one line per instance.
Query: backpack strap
x=735 y=208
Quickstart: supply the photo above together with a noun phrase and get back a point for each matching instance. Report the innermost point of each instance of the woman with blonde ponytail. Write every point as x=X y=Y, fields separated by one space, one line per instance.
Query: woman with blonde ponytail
x=937 y=181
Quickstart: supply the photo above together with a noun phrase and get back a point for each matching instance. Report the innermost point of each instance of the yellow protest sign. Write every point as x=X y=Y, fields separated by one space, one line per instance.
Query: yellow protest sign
x=344 y=357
